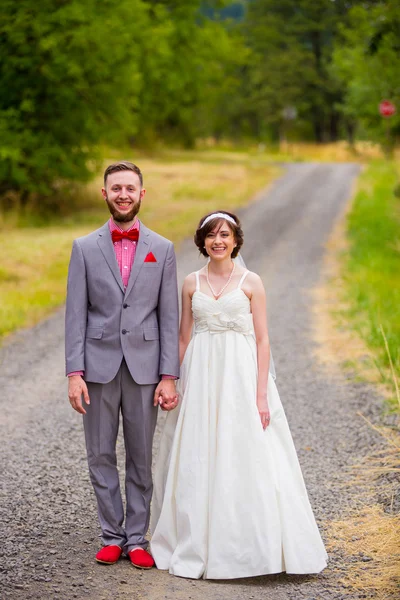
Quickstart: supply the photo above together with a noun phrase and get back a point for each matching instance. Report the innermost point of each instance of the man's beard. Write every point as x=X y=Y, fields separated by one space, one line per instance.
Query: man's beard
x=126 y=216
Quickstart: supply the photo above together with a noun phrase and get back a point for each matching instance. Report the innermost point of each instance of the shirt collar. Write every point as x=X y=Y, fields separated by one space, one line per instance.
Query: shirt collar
x=115 y=227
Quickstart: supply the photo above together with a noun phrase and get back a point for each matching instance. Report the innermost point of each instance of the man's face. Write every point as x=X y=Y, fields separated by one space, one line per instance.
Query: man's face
x=123 y=195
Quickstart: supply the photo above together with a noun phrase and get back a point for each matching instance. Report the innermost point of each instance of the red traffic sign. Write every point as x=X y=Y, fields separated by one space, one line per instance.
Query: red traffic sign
x=387 y=108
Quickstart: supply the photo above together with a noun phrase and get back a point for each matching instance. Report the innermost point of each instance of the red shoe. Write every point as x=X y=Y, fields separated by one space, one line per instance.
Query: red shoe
x=109 y=555
x=141 y=559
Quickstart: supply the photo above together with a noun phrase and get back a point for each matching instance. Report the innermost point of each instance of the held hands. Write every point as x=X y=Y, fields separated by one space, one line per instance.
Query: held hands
x=263 y=410
x=76 y=389
x=165 y=395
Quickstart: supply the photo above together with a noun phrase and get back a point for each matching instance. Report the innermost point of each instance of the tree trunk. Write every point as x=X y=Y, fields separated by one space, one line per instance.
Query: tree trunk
x=318 y=129
x=350 y=129
x=24 y=198
x=334 y=127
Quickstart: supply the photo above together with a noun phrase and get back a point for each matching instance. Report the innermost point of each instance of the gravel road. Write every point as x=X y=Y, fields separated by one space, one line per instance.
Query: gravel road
x=48 y=522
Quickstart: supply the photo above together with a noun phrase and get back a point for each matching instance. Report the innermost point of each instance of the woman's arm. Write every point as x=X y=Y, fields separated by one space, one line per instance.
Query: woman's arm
x=259 y=310
x=185 y=330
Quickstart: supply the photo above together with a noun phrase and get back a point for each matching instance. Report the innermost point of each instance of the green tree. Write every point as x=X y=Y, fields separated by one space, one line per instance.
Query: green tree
x=291 y=44
x=366 y=61
x=78 y=74
x=69 y=78
x=186 y=73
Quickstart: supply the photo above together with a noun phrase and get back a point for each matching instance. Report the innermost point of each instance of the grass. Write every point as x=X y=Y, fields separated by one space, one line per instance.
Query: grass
x=371 y=267
x=341 y=151
x=180 y=187
x=335 y=152
x=370 y=534
x=372 y=538
x=357 y=325
x=32 y=277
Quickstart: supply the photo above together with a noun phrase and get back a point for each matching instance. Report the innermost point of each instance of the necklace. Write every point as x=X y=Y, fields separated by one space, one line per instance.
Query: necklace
x=218 y=294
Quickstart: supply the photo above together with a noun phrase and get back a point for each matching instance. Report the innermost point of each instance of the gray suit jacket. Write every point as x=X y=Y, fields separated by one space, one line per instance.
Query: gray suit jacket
x=105 y=324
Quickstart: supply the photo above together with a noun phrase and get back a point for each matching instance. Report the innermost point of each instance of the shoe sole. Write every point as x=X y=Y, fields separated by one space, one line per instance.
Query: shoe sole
x=104 y=562
x=140 y=567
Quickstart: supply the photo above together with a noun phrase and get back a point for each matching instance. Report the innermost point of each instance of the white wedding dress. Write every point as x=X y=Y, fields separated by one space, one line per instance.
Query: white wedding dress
x=229 y=498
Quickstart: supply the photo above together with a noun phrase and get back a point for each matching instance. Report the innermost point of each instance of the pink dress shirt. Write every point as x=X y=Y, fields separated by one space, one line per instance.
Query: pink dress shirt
x=125 y=251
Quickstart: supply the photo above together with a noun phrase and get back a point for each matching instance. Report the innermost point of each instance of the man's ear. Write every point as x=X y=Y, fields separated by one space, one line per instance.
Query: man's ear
x=104 y=193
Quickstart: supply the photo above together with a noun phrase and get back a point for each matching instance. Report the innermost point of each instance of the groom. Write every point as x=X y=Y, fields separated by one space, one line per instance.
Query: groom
x=122 y=356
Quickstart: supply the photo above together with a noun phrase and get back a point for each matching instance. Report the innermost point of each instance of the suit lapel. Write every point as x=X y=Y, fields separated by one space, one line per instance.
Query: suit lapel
x=142 y=249
x=106 y=246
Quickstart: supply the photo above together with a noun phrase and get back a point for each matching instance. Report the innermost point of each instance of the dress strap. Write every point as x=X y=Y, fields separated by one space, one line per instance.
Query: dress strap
x=197 y=281
x=242 y=279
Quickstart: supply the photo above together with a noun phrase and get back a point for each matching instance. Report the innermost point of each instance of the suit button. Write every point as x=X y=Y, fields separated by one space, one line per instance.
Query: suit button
x=125 y=305
x=124 y=331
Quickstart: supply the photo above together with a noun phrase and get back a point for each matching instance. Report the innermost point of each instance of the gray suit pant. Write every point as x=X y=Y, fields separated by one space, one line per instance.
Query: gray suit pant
x=101 y=422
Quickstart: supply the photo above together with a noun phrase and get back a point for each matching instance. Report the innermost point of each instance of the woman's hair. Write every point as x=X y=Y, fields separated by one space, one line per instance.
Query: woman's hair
x=202 y=232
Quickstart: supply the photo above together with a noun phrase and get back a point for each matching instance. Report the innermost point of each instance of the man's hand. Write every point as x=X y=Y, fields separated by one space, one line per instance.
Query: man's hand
x=165 y=394
x=76 y=389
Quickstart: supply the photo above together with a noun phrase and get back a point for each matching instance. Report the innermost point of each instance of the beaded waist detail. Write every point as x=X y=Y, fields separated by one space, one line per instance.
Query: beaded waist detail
x=220 y=323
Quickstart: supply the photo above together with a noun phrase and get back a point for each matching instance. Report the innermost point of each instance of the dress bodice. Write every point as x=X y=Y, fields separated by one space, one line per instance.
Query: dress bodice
x=231 y=312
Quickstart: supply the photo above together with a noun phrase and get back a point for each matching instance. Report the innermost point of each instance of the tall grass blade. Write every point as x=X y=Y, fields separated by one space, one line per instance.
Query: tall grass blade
x=379 y=430
x=396 y=384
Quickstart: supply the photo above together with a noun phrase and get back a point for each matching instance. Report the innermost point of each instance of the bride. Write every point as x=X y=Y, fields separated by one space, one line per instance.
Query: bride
x=229 y=496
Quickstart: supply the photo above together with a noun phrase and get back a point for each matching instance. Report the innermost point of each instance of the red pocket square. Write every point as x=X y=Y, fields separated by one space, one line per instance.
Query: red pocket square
x=150 y=258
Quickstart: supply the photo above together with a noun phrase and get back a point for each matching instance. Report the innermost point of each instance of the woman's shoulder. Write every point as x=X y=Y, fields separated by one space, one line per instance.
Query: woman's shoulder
x=189 y=283
x=190 y=277
x=252 y=277
x=253 y=283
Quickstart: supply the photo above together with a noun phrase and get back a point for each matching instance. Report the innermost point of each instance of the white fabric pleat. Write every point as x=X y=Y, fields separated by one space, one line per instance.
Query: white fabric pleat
x=229 y=498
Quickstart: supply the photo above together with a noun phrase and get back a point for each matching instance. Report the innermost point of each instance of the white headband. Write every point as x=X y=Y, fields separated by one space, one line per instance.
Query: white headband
x=218 y=215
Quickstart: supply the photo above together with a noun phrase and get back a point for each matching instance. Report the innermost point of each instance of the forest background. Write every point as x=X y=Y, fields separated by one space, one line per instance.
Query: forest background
x=80 y=76
x=171 y=84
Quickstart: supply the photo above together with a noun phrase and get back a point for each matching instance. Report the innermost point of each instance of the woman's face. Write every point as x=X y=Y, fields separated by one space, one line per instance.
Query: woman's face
x=220 y=242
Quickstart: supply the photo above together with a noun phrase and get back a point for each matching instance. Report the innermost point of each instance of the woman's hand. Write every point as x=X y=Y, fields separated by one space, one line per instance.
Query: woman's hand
x=263 y=411
x=165 y=395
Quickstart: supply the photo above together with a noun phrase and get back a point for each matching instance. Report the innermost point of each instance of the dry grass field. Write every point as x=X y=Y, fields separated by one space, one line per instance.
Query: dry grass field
x=180 y=189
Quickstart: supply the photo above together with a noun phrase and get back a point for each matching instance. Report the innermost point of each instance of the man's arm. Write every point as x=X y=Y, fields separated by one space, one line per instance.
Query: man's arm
x=75 y=329
x=168 y=317
x=168 y=320
x=76 y=312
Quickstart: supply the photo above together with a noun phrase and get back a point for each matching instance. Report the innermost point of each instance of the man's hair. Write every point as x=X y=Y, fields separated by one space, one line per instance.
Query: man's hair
x=123 y=165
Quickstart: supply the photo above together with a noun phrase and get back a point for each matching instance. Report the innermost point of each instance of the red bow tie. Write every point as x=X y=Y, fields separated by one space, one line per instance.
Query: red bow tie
x=117 y=236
